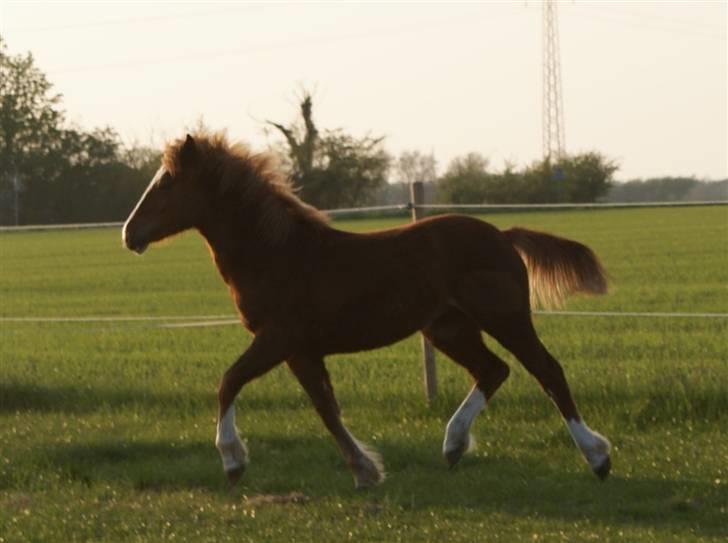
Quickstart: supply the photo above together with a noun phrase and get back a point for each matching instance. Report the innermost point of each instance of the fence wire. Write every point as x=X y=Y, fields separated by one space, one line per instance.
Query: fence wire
x=181 y=321
x=193 y=321
x=409 y=207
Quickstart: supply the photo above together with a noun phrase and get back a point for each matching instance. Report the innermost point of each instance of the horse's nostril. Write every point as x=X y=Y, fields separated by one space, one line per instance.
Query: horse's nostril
x=139 y=248
x=132 y=242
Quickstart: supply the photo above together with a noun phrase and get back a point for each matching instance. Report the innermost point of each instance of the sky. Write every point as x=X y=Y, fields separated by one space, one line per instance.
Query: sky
x=644 y=83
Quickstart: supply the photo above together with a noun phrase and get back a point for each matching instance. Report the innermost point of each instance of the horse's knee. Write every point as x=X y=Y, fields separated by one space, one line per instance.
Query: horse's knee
x=499 y=372
x=491 y=375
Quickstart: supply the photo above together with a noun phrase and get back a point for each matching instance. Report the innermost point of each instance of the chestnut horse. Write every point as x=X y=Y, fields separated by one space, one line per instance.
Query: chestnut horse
x=306 y=290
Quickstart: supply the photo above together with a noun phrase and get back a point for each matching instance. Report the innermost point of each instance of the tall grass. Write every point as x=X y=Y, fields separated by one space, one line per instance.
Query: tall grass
x=106 y=428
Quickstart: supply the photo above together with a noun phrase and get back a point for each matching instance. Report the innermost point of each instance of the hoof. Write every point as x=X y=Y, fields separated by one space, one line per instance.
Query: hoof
x=363 y=481
x=368 y=478
x=234 y=459
x=368 y=473
x=235 y=474
x=363 y=484
x=602 y=471
x=454 y=456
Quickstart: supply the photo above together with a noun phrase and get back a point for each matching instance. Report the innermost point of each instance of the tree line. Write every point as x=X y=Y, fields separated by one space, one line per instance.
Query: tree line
x=54 y=172
x=668 y=189
x=51 y=171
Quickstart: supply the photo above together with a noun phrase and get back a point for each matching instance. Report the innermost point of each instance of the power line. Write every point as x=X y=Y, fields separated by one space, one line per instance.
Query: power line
x=272 y=47
x=135 y=20
x=649 y=22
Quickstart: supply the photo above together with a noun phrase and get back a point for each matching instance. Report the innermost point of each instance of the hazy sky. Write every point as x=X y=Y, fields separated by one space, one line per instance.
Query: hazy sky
x=643 y=82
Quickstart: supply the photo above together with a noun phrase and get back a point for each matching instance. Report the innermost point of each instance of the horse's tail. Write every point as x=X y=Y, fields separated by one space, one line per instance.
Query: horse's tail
x=557 y=266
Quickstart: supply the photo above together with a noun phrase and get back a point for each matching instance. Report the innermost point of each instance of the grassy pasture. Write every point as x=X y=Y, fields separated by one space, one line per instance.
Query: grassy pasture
x=106 y=428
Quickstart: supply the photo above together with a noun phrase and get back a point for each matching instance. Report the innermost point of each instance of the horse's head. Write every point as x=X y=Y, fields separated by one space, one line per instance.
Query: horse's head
x=173 y=202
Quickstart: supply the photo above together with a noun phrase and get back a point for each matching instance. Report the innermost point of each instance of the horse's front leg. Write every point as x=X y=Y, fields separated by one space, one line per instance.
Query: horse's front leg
x=262 y=355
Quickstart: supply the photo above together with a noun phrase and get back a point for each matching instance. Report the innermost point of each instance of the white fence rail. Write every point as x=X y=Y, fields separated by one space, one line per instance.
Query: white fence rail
x=407 y=208
x=191 y=321
x=596 y=205
x=417 y=208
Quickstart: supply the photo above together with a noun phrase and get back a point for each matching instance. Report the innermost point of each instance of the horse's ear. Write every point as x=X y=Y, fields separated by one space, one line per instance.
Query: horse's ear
x=188 y=152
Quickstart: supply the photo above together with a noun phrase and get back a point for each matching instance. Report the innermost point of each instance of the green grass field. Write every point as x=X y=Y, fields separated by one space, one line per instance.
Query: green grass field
x=107 y=428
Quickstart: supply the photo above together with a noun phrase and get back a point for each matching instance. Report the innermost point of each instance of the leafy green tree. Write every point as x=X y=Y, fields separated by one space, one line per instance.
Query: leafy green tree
x=585 y=177
x=578 y=178
x=143 y=159
x=101 y=180
x=333 y=169
x=50 y=172
x=30 y=117
x=347 y=171
x=465 y=181
x=664 y=189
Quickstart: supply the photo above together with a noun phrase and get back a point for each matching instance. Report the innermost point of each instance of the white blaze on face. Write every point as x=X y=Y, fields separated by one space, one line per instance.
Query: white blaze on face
x=153 y=183
x=456 y=433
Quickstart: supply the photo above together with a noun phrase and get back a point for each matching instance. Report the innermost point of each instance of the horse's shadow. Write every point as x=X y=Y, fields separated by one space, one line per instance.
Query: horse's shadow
x=311 y=464
x=73 y=400
x=500 y=484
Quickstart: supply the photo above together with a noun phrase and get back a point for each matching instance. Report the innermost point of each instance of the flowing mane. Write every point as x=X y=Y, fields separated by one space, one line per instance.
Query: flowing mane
x=255 y=178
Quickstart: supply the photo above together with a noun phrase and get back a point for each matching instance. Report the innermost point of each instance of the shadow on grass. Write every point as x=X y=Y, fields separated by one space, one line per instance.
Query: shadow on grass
x=16 y=397
x=418 y=480
x=661 y=406
x=144 y=465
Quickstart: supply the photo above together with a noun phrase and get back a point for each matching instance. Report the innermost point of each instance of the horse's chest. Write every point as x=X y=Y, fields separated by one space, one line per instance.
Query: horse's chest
x=259 y=304
x=248 y=305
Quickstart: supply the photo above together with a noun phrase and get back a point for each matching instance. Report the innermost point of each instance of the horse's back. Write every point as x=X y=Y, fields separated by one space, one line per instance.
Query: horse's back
x=445 y=244
x=469 y=243
x=376 y=288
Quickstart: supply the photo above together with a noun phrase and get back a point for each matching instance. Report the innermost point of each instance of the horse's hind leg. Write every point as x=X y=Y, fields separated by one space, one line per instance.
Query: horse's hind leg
x=365 y=464
x=456 y=335
x=516 y=333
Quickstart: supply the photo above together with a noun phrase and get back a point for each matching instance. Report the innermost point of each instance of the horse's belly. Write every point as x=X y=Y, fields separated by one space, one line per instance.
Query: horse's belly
x=372 y=326
x=364 y=338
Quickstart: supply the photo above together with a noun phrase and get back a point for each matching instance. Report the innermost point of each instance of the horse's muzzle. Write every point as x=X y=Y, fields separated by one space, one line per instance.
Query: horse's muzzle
x=133 y=242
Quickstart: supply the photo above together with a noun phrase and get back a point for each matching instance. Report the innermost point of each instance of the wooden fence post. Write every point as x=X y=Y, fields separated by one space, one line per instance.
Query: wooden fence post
x=417 y=197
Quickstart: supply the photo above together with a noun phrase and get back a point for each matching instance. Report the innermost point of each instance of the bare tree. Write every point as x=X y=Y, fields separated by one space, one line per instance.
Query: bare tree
x=416 y=166
x=332 y=168
x=301 y=142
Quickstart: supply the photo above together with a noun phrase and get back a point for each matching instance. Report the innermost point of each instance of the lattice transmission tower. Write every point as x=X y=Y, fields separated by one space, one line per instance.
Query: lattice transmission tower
x=553 y=104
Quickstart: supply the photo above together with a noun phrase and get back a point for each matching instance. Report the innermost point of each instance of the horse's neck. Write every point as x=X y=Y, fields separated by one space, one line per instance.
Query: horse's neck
x=229 y=236
x=240 y=247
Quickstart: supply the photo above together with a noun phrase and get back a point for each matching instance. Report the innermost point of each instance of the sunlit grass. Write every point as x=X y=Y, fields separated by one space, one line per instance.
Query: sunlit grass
x=106 y=429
